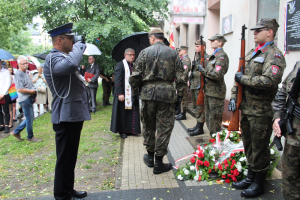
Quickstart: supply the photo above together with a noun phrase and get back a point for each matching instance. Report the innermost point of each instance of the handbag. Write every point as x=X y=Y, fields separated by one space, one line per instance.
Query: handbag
x=12 y=92
x=32 y=98
x=41 y=89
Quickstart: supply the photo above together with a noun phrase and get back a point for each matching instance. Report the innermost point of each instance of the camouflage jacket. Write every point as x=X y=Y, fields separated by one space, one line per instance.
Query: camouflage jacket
x=196 y=73
x=278 y=105
x=156 y=69
x=214 y=74
x=263 y=73
x=186 y=63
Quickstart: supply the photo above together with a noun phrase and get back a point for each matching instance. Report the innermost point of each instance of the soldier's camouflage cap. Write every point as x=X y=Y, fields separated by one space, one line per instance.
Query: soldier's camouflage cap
x=183 y=48
x=65 y=29
x=155 y=30
x=198 y=42
x=267 y=23
x=218 y=37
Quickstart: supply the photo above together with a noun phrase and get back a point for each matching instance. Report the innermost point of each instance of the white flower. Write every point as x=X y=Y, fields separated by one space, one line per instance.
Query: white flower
x=220 y=133
x=213 y=158
x=212 y=153
x=192 y=168
x=245 y=172
x=243 y=159
x=197 y=151
x=186 y=172
x=213 y=135
x=238 y=165
x=183 y=169
x=272 y=151
x=189 y=163
x=231 y=135
x=200 y=173
x=227 y=140
x=179 y=177
x=196 y=178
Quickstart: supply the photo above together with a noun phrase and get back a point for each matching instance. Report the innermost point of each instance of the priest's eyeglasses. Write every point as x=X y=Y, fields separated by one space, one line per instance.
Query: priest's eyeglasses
x=130 y=54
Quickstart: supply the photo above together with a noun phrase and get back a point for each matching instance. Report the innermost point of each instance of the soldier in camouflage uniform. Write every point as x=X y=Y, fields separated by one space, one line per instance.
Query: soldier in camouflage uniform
x=215 y=88
x=291 y=153
x=195 y=84
x=186 y=62
x=263 y=71
x=156 y=68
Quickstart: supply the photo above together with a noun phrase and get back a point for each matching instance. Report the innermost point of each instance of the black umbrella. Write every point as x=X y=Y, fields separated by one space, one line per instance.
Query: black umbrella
x=137 y=41
x=40 y=55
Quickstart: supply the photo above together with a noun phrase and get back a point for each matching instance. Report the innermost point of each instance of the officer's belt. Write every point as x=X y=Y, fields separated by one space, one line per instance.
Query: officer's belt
x=158 y=82
x=296 y=111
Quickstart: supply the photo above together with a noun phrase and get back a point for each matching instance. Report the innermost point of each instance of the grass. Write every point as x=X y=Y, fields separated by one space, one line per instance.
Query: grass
x=27 y=169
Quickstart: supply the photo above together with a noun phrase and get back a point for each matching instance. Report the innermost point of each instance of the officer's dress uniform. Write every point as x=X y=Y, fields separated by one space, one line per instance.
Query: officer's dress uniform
x=93 y=85
x=215 y=89
x=291 y=153
x=68 y=114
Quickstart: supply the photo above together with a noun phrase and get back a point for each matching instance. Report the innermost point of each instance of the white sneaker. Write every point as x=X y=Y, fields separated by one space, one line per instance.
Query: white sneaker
x=23 y=118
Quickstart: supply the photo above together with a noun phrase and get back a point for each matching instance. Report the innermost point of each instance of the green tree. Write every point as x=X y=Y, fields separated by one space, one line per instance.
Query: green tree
x=103 y=22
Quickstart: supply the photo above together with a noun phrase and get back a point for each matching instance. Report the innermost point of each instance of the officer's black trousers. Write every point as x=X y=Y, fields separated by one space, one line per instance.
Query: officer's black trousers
x=67 y=139
x=92 y=93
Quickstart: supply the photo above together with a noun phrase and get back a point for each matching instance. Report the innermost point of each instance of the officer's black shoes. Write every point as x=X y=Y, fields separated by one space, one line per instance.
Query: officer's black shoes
x=177 y=111
x=123 y=135
x=149 y=159
x=6 y=129
x=107 y=103
x=104 y=103
x=246 y=182
x=80 y=194
x=256 y=188
x=192 y=129
x=198 y=130
x=181 y=116
x=160 y=167
x=1 y=127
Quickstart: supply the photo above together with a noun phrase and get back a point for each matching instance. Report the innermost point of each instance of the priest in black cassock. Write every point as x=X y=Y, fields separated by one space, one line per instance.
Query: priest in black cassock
x=125 y=117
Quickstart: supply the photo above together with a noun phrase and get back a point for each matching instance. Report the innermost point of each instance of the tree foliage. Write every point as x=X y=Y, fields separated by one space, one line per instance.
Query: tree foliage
x=103 y=22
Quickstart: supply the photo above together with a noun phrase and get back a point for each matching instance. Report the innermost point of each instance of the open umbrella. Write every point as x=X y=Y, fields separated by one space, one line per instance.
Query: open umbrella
x=137 y=41
x=4 y=55
x=40 y=55
x=91 y=50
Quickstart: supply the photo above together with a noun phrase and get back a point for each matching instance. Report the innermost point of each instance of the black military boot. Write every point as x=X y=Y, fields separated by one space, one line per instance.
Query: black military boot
x=246 y=182
x=257 y=187
x=149 y=159
x=177 y=108
x=181 y=116
x=192 y=129
x=160 y=167
x=198 y=130
x=104 y=103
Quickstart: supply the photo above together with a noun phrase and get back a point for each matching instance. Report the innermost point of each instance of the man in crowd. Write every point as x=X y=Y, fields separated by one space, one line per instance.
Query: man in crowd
x=263 y=72
x=5 y=82
x=69 y=107
x=106 y=85
x=186 y=62
x=215 y=88
x=195 y=84
x=93 y=83
x=26 y=98
x=156 y=69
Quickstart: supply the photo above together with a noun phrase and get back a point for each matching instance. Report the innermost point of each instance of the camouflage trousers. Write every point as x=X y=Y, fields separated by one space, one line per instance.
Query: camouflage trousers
x=256 y=133
x=185 y=97
x=213 y=113
x=199 y=110
x=106 y=89
x=160 y=116
x=291 y=172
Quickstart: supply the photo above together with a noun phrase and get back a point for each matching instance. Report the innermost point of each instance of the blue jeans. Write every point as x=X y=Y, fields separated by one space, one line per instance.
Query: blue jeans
x=28 y=122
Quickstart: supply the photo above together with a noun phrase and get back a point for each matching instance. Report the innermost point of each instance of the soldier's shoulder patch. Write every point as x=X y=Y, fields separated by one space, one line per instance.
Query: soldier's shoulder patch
x=221 y=58
x=275 y=69
x=277 y=55
x=218 y=68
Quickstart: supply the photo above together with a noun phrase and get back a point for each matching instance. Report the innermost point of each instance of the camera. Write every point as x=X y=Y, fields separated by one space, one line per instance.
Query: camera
x=78 y=38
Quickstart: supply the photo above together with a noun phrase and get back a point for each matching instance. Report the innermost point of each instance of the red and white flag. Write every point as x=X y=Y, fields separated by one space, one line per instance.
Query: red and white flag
x=172 y=41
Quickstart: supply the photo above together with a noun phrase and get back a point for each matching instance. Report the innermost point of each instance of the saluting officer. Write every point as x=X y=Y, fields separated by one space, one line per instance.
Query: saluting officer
x=199 y=110
x=186 y=62
x=69 y=106
x=264 y=67
x=215 y=88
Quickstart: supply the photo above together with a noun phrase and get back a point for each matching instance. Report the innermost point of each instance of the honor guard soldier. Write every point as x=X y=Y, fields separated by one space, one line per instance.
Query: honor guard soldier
x=264 y=67
x=186 y=63
x=291 y=154
x=69 y=107
x=194 y=84
x=215 y=88
x=156 y=69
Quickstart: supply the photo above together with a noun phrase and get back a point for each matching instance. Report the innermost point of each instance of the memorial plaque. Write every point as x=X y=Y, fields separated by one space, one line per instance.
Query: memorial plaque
x=293 y=25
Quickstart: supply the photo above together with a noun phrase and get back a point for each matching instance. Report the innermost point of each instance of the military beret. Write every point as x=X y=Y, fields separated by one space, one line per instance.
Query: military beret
x=183 y=47
x=267 y=23
x=198 y=42
x=218 y=37
x=65 y=29
x=155 y=30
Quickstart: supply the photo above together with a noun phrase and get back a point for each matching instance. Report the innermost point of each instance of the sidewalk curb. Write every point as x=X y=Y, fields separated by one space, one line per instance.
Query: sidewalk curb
x=118 y=181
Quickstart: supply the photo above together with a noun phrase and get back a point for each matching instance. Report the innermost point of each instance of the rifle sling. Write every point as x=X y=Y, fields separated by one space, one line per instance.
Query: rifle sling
x=296 y=111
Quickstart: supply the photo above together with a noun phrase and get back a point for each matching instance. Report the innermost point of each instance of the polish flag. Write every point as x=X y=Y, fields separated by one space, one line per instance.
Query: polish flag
x=172 y=41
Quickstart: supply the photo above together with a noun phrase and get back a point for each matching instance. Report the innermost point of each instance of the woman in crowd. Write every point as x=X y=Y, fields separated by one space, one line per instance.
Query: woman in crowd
x=12 y=104
x=41 y=85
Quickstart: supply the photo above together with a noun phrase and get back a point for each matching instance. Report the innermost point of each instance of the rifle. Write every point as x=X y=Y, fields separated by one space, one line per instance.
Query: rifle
x=200 y=100
x=234 y=121
x=192 y=76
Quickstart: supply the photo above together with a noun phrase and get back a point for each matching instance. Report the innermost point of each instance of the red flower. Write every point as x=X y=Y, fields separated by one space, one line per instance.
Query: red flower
x=225 y=161
x=232 y=155
x=215 y=168
x=223 y=176
x=232 y=166
x=236 y=172
x=231 y=171
x=193 y=160
x=212 y=140
x=200 y=155
x=229 y=159
x=227 y=181
x=199 y=162
x=233 y=162
x=229 y=175
x=206 y=163
x=199 y=179
x=205 y=145
x=209 y=171
x=220 y=167
x=226 y=165
x=233 y=178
